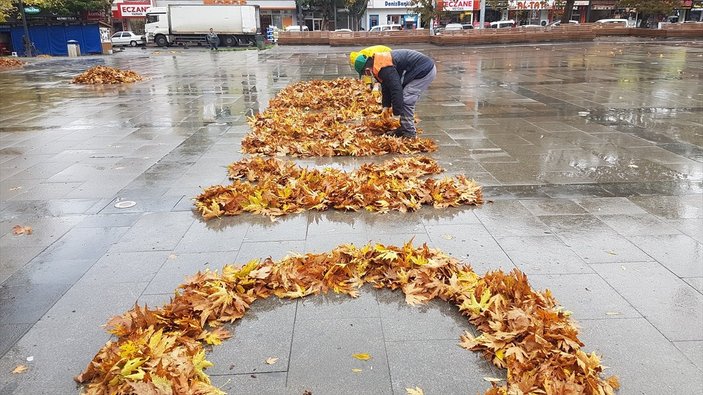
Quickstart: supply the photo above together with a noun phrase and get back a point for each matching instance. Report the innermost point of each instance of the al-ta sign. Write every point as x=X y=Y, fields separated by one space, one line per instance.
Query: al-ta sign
x=130 y=10
x=531 y=5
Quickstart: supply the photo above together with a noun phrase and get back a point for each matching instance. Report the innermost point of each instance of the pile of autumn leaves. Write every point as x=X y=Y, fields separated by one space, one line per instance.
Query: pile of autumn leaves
x=326 y=118
x=99 y=75
x=162 y=351
x=275 y=187
x=10 y=63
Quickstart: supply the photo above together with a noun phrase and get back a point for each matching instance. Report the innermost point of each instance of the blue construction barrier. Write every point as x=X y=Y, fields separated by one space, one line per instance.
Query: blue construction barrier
x=51 y=40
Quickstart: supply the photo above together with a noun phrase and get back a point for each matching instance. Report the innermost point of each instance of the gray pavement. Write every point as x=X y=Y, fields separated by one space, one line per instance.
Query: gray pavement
x=604 y=209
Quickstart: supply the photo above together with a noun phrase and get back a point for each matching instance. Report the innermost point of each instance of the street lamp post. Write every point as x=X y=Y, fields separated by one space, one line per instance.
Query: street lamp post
x=483 y=14
x=27 y=41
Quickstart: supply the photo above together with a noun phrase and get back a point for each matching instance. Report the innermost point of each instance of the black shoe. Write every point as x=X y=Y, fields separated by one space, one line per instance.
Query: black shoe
x=400 y=132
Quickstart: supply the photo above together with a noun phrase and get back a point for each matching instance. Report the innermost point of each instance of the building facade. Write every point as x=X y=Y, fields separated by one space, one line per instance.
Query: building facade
x=129 y=15
x=387 y=12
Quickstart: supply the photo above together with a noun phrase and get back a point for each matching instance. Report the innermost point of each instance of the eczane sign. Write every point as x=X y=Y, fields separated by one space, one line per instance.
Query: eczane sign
x=458 y=5
x=133 y=9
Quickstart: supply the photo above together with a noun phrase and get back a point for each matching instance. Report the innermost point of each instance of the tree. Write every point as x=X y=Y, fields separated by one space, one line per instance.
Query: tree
x=356 y=8
x=10 y=8
x=568 y=9
x=327 y=9
x=427 y=10
x=651 y=8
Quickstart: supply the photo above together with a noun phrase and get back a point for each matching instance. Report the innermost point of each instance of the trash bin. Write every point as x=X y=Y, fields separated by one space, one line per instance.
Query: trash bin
x=260 y=41
x=74 y=49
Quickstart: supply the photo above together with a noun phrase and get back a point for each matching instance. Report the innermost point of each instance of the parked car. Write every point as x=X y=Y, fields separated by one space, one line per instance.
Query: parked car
x=127 y=38
x=343 y=30
x=558 y=23
x=386 y=28
x=617 y=22
x=296 y=28
x=502 y=24
x=453 y=26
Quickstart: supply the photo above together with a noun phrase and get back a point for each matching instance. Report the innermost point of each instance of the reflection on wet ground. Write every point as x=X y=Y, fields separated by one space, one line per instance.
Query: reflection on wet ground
x=591 y=155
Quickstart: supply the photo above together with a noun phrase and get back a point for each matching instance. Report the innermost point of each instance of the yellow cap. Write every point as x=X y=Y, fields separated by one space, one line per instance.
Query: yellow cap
x=352 y=58
x=374 y=49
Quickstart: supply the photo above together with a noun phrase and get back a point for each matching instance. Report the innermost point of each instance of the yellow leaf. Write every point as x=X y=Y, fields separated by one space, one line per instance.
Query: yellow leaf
x=493 y=379
x=213 y=338
x=130 y=366
x=139 y=375
x=20 y=369
x=385 y=253
x=200 y=363
x=415 y=391
x=271 y=360
x=362 y=357
x=356 y=370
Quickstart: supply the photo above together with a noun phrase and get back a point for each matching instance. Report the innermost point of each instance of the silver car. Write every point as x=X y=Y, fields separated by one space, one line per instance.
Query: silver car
x=127 y=38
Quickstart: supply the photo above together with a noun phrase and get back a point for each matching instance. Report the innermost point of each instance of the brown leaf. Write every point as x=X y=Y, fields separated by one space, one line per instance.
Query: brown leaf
x=271 y=360
x=20 y=369
x=22 y=230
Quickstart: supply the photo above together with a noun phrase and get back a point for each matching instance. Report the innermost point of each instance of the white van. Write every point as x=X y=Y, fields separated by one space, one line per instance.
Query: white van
x=295 y=28
x=502 y=24
x=386 y=28
x=614 y=22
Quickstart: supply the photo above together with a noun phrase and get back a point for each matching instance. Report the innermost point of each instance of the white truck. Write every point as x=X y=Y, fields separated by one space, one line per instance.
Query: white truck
x=180 y=24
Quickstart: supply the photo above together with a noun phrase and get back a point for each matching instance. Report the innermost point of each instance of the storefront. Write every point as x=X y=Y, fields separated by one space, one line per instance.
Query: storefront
x=279 y=13
x=696 y=13
x=580 y=11
x=129 y=16
x=689 y=11
x=391 y=12
x=531 y=12
x=601 y=9
x=458 y=11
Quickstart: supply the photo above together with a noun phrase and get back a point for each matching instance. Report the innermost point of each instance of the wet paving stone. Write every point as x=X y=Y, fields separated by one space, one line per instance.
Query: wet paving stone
x=603 y=209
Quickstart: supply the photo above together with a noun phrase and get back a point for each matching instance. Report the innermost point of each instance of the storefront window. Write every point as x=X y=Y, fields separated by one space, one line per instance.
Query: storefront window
x=373 y=21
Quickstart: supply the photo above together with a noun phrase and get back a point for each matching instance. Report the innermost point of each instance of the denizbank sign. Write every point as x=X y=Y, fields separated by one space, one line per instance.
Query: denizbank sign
x=392 y=4
x=397 y=4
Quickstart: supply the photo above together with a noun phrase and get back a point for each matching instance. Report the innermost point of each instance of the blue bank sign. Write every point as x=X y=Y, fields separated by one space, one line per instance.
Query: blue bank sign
x=397 y=4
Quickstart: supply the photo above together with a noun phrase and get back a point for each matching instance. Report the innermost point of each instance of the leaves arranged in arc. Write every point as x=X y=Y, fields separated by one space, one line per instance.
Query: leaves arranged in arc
x=162 y=350
x=10 y=63
x=98 y=75
x=327 y=118
x=273 y=187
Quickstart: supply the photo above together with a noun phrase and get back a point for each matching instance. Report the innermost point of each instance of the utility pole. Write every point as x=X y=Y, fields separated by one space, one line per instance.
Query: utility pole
x=483 y=14
x=27 y=41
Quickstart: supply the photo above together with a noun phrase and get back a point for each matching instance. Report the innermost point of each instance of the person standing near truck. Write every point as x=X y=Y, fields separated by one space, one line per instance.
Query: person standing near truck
x=213 y=40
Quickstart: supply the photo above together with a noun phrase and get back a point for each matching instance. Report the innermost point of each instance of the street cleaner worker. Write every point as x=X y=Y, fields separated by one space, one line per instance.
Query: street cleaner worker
x=367 y=52
x=404 y=74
